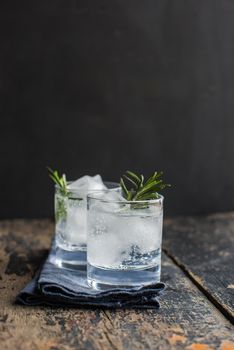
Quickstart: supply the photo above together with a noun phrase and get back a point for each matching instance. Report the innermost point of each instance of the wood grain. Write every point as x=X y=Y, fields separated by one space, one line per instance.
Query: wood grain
x=186 y=320
x=204 y=248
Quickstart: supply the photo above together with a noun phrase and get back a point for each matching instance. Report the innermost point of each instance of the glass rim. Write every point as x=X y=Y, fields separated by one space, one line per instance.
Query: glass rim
x=91 y=196
x=115 y=185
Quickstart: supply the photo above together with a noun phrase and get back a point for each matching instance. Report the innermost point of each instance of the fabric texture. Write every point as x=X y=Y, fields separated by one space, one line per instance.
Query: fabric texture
x=57 y=286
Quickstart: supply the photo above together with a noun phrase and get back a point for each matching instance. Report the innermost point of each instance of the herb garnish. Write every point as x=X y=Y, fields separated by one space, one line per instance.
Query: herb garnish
x=59 y=180
x=61 y=198
x=140 y=189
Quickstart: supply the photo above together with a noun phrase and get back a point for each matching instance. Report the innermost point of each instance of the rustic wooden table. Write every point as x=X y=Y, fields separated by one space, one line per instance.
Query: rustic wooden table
x=197 y=309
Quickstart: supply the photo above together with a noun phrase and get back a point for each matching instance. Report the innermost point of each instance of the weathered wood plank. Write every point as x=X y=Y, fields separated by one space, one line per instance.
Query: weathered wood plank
x=187 y=320
x=204 y=248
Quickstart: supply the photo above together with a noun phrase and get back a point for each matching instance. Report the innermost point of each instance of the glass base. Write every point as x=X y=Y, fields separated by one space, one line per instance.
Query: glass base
x=72 y=260
x=102 y=279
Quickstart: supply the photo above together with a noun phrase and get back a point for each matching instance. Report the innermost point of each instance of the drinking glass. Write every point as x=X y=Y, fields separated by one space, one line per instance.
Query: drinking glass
x=71 y=226
x=124 y=241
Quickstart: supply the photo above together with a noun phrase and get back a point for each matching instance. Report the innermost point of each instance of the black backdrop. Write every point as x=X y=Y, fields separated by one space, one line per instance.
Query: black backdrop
x=94 y=86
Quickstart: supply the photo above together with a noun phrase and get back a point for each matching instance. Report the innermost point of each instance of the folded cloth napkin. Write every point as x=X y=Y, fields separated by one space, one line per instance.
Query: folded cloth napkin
x=57 y=286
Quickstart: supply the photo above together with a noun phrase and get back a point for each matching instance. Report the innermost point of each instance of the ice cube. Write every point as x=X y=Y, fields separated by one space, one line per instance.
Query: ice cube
x=112 y=195
x=71 y=231
x=101 y=252
x=76 y=222
x=109 y=201
x=145 y=232
x=87 y=183
x=119 y=237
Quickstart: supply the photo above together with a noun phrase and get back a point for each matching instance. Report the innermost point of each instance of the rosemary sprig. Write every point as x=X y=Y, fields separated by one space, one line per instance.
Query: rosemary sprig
x=138 y=189
x=60 y=202
x=59 y=180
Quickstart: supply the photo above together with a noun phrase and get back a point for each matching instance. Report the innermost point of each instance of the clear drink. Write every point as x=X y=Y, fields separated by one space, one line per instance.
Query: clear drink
x=124 y=242
x=71 y=226
x=70 y=212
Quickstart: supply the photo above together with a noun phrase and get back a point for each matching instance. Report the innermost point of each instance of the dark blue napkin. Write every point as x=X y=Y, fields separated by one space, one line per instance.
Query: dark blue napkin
x=57 y=286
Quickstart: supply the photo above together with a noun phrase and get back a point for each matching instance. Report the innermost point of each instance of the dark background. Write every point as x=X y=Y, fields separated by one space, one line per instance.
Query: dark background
x=103 y=86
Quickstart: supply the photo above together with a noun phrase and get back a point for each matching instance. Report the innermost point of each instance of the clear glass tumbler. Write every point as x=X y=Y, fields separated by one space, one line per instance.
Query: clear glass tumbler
x=124 y=242
x=71 y=227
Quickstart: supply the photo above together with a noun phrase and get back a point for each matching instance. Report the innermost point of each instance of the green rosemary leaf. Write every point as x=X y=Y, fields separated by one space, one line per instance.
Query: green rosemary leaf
x=60 y=181
x=61 y=196
x=134 y=176
x=60 y=208
x=149 y=188
x=148 y=196
x=142 y=180
x=124 y=188
x=52 y=178
x=130 y=180
x=141 y=189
